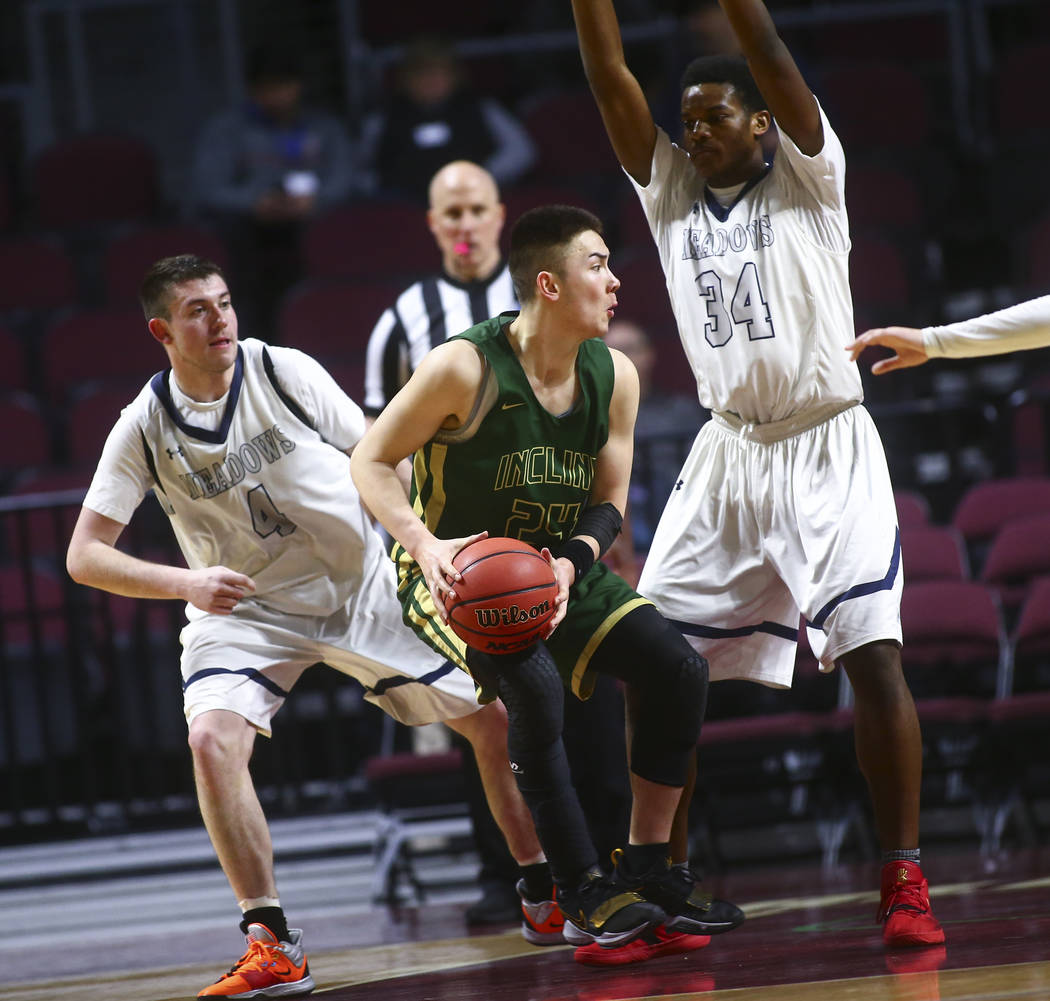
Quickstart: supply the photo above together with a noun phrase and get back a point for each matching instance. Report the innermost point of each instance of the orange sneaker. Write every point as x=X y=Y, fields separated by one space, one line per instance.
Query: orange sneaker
x=541 y=923
x=658 y=941
x=269 y=969
x=905 y=907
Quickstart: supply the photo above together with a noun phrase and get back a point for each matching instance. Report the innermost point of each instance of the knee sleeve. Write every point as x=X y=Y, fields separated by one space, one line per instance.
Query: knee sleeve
x=534 y=695
x=531 y=688
x=668 y=683
x=667 y=723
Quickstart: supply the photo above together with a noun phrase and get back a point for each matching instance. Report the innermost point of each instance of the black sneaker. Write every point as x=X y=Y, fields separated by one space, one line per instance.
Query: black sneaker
x=499 y=904
x=599 y=910
x=688 y=908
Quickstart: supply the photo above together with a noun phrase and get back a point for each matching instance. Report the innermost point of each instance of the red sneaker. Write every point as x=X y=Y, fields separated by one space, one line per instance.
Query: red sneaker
x=658 y=941
x=905 y=907
x=269 y=969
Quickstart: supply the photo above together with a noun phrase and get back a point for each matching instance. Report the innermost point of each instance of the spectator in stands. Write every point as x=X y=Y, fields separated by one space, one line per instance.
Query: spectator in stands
x=262 y=170
x=434 y=116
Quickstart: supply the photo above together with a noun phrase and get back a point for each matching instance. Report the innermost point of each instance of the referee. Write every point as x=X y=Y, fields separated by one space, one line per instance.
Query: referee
x=466 y=218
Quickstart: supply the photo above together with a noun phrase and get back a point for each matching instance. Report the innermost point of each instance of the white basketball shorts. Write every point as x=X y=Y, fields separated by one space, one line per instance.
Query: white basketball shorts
x=769 y=522
x=248 y=662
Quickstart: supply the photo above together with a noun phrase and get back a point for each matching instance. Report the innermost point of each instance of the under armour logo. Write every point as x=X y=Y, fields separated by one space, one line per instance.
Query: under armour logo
x=679 y=485
x=172 y=452
x=516 y=768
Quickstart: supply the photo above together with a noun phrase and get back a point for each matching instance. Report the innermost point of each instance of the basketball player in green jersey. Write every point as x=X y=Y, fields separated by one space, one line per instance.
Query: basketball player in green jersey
x=522 y=426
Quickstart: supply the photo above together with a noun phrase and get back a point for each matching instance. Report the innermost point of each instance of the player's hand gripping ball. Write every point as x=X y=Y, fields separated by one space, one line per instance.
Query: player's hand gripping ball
x=506 y=596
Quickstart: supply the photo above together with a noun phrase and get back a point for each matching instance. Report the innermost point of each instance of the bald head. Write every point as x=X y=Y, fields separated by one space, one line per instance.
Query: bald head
x=466 y=218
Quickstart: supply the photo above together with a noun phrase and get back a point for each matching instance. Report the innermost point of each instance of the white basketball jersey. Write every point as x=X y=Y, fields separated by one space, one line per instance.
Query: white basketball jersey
x=760 y=289
x=260 y=483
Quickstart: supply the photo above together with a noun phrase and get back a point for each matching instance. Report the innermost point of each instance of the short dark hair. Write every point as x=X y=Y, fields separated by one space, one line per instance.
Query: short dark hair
x=274 y=62
x=538 y=241
x=732 y=70
x=166 y=274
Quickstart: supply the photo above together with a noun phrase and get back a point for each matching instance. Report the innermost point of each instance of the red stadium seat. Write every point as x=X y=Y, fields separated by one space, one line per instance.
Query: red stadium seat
x=1031 y=640
x=571 y=141
x=900 y=117
x=912 y=508
x=332 y=320
x=987 y=506
x=12 y=361
x=933 y=552
x=32 y=607
x=881 y=198
x=42 y=532
x=28 y=441
x=130 y=254
x=98 y=345
x=366 y=240
x=93 y=179
x=91 y=416
x=1018 y=111
x=954 y=638
x=1019 y=552
x=38 y=275
x=878 y=274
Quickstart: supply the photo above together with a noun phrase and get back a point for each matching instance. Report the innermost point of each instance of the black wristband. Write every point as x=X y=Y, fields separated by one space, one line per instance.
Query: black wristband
x=602 y=522
x=579 y=554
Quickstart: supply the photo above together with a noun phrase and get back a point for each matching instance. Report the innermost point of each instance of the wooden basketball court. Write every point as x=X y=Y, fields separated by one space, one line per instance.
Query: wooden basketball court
x=809 y=936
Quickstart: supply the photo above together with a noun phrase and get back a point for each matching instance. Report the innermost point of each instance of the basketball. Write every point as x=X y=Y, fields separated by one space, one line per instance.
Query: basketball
x=506 y=596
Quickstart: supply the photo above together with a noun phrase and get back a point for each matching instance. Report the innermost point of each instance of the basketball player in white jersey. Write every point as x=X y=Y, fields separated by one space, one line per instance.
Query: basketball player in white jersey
x=246 y=448
x=1022 y=327
x=784 y=505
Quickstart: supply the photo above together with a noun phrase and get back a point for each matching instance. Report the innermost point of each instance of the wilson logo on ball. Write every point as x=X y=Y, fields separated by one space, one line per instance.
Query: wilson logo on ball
x=505 y=597
x=489 y=618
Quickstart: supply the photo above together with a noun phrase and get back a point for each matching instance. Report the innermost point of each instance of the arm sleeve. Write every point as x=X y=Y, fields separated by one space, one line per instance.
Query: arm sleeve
x=337 y=418
x=1016 y=328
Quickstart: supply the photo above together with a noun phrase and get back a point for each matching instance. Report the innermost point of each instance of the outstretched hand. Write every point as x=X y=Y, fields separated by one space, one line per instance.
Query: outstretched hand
x=906 y=341
x=435 y=560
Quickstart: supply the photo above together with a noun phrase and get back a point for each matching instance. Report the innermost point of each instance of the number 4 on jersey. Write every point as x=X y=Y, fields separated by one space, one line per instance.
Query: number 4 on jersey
x=266 y=519
x=748 y=307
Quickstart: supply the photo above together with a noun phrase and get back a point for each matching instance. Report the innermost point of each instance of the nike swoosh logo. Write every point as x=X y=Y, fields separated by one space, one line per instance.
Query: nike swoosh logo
x=511 y=406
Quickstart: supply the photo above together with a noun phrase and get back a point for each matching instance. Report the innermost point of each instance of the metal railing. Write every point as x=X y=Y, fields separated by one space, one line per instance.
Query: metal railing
x=92 y=736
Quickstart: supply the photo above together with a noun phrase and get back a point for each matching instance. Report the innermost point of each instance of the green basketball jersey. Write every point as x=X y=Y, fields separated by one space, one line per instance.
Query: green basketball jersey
x=513 y=468
x=516 y=470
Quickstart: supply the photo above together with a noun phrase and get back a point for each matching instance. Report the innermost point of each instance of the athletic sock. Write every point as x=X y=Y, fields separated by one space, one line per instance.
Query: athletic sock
x=642 y=858
x=901 y=855
x=539 y=884
x=272 y=917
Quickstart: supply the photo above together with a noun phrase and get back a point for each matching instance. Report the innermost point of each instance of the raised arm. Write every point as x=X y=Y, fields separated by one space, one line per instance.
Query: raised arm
x=790 y=100
x=439 y=394
x=621 y=101
x=93 y=559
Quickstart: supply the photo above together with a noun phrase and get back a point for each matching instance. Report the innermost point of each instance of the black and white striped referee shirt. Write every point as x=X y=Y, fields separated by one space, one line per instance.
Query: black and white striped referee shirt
x=427 y=314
